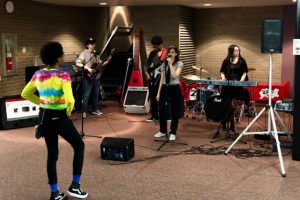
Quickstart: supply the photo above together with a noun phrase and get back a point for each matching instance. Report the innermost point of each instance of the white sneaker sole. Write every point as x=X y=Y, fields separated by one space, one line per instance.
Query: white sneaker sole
x=159 y=136
x=77 y=195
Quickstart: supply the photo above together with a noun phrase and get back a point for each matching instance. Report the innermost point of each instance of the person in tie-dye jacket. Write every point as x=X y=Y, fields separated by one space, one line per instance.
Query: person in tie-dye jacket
x=56 y=102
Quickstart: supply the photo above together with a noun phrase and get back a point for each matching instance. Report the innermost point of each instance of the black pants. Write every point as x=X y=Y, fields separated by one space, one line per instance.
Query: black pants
x=229 y=94
x=171 y=106
x=153 y=89
x=57 y=123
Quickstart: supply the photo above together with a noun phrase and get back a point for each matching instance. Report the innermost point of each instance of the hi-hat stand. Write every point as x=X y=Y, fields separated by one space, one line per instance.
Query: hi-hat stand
x=271 y=123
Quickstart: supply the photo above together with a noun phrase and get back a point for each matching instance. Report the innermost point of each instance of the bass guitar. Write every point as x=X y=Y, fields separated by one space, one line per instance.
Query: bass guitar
x=99 y=67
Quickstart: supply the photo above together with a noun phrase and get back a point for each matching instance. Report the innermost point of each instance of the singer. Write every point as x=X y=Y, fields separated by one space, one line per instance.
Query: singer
x=171 y=104
x=91 y=87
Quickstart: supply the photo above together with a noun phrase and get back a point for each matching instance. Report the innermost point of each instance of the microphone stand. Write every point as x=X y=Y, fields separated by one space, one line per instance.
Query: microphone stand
x=124 y=83
x=82 y=134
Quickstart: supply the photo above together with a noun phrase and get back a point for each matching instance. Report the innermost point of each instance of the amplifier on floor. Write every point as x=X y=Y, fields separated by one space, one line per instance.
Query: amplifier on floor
x=286 y=105
x=136 y=100
x=17 y=112
x=121 y=149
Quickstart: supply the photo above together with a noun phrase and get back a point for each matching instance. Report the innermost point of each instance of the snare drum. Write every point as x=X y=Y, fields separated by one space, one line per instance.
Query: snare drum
x=215 y=108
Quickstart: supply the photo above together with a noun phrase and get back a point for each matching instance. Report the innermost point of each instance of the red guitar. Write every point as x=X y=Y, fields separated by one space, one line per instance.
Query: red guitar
x=98 y=67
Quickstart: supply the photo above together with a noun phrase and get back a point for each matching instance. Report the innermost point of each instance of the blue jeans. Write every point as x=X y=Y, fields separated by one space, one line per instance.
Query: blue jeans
x=91 y=87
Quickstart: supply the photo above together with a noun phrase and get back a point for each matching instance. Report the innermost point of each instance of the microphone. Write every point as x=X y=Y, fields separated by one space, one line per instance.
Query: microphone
x=129 y=60
x=166 y=60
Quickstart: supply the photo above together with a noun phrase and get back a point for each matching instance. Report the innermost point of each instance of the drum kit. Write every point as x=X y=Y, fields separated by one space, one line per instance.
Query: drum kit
x=201 y=94
x=205 y=100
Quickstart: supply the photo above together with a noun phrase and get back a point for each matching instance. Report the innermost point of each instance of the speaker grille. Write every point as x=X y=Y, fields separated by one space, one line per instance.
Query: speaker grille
x=271 y=36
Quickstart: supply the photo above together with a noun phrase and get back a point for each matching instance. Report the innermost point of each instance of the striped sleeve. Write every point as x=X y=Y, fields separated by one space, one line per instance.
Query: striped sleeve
x=29 y=91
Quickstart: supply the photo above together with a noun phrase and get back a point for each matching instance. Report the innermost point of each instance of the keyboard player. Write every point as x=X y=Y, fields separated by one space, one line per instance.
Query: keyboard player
x=234 y=67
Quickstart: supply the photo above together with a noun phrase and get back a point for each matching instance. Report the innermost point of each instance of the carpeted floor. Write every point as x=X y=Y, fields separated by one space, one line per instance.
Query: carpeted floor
x=198 y=170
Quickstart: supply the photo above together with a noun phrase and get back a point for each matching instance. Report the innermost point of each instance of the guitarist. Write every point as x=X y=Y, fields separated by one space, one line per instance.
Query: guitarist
x=152 y=71
x=91 y=86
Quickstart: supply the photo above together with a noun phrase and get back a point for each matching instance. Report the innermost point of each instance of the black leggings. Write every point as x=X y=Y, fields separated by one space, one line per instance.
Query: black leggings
x=63 y=126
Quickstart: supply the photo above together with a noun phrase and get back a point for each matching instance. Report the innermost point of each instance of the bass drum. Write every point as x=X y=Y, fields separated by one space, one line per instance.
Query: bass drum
x=215 y=108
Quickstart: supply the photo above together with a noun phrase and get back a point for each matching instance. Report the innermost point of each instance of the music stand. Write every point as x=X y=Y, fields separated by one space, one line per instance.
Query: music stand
x=271 y=123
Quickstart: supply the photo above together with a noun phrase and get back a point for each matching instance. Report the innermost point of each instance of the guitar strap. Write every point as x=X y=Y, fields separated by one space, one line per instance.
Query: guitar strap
x=163 y=55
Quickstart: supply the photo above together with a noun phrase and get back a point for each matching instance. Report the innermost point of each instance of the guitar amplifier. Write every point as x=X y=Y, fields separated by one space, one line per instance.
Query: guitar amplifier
x=17 y=112
x=137 y=100
x=121 y=149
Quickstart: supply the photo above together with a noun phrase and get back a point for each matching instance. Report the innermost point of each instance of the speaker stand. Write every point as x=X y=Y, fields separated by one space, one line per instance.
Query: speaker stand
x=271 y=123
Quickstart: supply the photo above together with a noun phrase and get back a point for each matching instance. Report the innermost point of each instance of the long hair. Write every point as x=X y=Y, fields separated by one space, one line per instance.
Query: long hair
x=177 y=51
x=230 y=52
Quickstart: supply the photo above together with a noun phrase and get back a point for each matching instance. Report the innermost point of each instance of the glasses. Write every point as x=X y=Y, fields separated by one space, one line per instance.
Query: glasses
x=172 y=52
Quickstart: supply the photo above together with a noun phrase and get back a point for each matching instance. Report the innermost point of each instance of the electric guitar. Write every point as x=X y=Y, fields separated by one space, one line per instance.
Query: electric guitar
x=154 y=71
x=156 y=65
x=98 y=67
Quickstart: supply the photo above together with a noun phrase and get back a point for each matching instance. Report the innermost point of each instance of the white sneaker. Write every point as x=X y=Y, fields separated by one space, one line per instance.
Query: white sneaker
x=84 y=114
x=159 y=134
x=97 y=112
x=172 y=137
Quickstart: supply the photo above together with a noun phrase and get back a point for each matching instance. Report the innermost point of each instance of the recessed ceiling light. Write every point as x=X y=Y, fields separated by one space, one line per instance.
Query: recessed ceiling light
x=207 y=4
x=103 y=4
x=294 y=0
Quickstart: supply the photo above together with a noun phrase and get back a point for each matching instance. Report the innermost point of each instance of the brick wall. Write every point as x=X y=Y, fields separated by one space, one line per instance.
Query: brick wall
x=216 y=29
x=37 y=23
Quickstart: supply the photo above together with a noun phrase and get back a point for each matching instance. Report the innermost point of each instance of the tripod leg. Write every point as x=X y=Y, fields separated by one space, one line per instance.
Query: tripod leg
x=246 y=129
x=275 y=135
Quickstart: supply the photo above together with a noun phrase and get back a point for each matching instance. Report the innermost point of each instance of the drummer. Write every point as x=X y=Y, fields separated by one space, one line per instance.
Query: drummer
x=234 y=67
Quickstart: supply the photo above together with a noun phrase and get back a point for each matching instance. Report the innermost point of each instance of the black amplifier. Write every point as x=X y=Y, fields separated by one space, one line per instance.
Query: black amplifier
x=286 y=105
x=121 y=149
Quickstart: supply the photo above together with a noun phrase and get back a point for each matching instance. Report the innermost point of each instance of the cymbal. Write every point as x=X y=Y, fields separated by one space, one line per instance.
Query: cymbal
x=192 y=77
x=251 y=69
x=201 y=69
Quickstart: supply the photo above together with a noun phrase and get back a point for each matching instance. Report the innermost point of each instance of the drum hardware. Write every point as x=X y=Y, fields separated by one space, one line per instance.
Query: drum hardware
x=243 y=110
x=201 y=97
x=216 y=110
x=200 y=69
x=192 y=77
